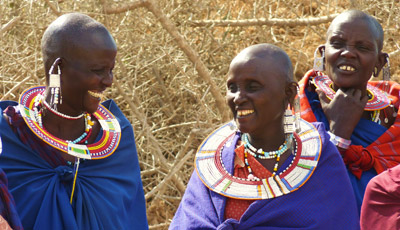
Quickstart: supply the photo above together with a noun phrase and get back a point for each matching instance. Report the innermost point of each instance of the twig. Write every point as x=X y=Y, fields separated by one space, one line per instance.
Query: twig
x=14 y=88
x=53 y=8
x=265 y=21
x=175 y=169
x=125 y=7
x=162 y=225
x=394 y=53
x=9 y=25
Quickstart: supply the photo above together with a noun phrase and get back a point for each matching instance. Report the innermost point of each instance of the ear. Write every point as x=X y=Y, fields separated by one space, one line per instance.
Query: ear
x=291 y=92
x=321 y=50
x=382 y=60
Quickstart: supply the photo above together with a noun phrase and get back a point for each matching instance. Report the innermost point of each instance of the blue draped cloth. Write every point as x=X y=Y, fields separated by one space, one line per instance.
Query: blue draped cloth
x=108 y=192
x=364 y=134
x=325 y=201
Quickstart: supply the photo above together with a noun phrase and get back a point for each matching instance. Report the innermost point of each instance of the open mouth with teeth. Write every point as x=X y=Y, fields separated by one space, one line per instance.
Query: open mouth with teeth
x=242 y=113
x=96 y=95
x=347 y=68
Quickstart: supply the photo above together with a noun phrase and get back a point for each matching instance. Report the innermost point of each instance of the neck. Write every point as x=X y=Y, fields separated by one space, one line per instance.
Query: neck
x=268 y=142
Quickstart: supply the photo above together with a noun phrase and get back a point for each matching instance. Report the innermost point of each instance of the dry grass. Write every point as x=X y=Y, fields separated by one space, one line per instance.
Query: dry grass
x=172 y=102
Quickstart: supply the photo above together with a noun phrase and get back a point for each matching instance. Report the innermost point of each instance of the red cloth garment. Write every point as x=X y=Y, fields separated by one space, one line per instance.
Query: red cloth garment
x=384 y=152
x=381 y=205
x=235 y=207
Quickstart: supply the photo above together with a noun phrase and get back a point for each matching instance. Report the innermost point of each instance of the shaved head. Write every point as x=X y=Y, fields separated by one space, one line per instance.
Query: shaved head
x=354 y=15
x=70 y=32
x=267 y=52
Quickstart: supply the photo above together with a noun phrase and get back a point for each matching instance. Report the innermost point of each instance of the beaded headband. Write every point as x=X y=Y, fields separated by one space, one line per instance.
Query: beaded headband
x=103 y=148
x=379 y=99
x=212 y=172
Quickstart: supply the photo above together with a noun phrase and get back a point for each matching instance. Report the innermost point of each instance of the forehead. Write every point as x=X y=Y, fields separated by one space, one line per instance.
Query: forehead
x=360 y=28
x=92 y=47
x=267 y=69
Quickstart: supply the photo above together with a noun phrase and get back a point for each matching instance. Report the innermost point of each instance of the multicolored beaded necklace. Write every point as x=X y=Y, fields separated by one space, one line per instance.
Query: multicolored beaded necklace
x=29 y=105
x=377 y=98
x=213 y=174
x=266 y=155
x=261 y=154
x=82 y=139
x=108 y=143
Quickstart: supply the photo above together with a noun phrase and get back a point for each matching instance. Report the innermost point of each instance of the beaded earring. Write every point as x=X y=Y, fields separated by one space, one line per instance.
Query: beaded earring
x=55 y=85
x=297 y=110
x=288 y=122
x=319 y=61
x=386 y=70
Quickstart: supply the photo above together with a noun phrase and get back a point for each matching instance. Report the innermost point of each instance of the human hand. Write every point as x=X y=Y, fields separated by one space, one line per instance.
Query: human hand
x=344 y=111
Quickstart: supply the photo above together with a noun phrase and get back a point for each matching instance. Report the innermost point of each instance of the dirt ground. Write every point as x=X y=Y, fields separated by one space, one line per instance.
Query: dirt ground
x=171 y=66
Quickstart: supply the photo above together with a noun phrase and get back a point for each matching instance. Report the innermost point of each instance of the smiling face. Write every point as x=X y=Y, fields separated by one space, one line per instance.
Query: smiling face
x=86 y=74
x=352 y=52
x=256 y=93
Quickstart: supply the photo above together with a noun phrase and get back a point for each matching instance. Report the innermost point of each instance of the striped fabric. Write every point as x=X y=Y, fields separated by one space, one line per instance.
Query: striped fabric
x=384 y=152
x=8 y=211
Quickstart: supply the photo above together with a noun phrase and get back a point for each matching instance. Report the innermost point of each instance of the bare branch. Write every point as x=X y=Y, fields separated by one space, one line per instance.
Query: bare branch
x=125 y=7
x=265 y=21
x=192 y=55
x=53 y=8
x=9 y=25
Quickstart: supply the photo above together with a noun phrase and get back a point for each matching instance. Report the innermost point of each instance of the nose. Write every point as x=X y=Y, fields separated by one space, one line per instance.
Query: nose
x=348 y=52
x=239 y=97
x=108 y=79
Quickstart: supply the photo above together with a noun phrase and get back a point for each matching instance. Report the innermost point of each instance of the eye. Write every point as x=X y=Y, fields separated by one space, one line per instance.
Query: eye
x=232 y=88
x=337 y=44
x=253 y=86
x=363 y=47
x=98 y=71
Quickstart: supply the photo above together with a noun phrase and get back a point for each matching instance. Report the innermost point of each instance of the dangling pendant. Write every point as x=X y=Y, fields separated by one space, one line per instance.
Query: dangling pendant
x=251 y=177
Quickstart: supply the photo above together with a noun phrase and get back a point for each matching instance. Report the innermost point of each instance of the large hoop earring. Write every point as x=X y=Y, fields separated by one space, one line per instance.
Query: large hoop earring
x=319 y=61
x=55 y=85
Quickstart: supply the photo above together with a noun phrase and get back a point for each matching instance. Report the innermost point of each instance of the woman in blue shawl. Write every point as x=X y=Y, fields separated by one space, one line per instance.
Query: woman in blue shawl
x=261 y=171
x=71 y=162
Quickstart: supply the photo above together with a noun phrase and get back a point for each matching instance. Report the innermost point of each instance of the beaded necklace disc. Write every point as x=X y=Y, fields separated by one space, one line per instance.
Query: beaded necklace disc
x=212 y=172
x=378 y=101
x=103 y=148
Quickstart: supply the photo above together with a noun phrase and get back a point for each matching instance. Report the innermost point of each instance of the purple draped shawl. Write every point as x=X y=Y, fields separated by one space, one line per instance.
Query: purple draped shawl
x=326 y=201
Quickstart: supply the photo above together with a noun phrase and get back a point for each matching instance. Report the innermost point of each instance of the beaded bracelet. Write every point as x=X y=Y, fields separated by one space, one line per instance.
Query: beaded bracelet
x=339 y=142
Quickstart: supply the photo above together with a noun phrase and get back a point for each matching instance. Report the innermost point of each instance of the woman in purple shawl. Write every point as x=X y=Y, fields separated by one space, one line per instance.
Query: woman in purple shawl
x=267 y=169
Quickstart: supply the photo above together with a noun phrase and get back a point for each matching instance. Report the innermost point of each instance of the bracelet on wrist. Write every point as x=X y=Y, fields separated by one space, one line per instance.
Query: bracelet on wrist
x=339 y=142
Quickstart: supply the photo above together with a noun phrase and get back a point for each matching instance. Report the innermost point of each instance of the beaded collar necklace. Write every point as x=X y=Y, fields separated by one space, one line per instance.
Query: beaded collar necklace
x=259 y=153
x=106 y=146
x=37 y=112
x=213 y=174
x=377 y=98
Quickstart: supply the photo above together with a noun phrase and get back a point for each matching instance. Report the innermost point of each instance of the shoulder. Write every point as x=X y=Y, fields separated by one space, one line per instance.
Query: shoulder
x=320 y=127
x=388 y=182
x=391 y=88
x=116 y=111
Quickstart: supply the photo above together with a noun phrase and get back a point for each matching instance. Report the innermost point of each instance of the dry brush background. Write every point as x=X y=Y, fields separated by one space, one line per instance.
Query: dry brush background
x=172 y=61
